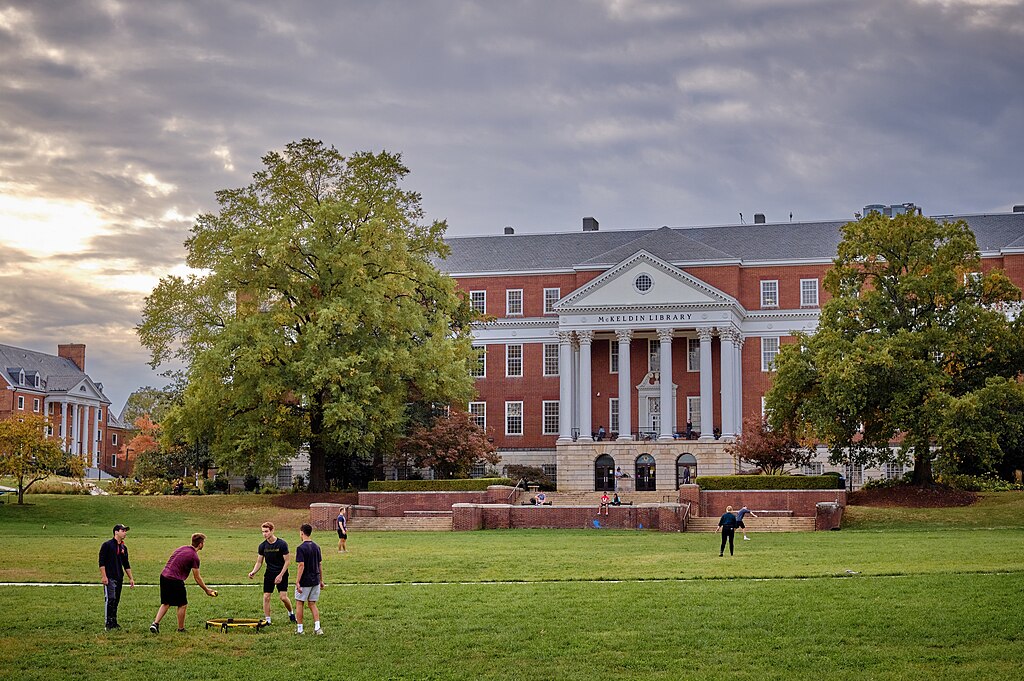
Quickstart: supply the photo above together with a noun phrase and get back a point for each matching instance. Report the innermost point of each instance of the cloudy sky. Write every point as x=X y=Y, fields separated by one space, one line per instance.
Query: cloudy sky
x=120 y=119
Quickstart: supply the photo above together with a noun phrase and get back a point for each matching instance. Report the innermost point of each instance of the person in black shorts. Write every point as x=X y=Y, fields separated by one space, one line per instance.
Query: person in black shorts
x=274 y=551
x=342 y=531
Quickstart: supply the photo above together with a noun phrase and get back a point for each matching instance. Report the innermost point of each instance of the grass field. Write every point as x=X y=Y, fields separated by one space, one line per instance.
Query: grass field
x=936 y=595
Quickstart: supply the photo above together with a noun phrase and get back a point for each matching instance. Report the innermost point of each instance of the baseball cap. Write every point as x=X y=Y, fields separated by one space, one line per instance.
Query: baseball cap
x=119 y=526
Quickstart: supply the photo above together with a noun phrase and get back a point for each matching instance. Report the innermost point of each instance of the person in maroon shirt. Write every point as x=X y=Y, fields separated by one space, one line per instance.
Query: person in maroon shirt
x=172 y=581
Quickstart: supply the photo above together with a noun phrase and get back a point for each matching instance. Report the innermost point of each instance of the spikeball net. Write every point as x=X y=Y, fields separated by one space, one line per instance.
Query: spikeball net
x=226 y=623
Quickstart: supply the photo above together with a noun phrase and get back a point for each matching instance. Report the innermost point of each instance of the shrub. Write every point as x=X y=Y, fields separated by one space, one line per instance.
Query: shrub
x=54 y=487
x=463 y=485
x=720 y=482
x=978 y=483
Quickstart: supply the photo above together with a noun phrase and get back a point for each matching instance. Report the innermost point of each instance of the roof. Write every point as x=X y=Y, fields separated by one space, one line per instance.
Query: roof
x=748 y=244
x=57 y=374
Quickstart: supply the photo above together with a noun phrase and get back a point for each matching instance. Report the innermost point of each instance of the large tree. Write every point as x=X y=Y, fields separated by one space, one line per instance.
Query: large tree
x=912 y=324
x=772 y=451
x=317 y=315
x=29 y=456
x=450 y=445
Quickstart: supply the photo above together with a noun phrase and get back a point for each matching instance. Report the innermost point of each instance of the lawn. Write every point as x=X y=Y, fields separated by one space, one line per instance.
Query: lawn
x=900 y=594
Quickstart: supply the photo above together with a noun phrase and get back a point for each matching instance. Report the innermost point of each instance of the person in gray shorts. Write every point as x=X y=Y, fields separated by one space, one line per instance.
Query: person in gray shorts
x=309 y=579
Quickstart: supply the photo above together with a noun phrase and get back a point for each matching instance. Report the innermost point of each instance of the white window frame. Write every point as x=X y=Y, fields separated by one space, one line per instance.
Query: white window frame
x=693 y=412
x=36 y=380
x=99 y=435
x=113 y=459
x=508 y=360
x=21 y=402
x=693 y=355
x=769 y=289
x=481 y=362
x=510 y=407
x=480 y=418
x=478 y=301
x=113 y=439
x=767 y=364
x=808 y=293
x=549 y=301
x=613 y=415
x=613 y=356
x=549 y=411
x=653 y=356
x=35 y=404
x=550 y=356
x=510 y=300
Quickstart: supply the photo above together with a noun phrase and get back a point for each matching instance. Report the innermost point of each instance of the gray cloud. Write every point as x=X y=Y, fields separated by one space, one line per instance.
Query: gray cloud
x=526 y=113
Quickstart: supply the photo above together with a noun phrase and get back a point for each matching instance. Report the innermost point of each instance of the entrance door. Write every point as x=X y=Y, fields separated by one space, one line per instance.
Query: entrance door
x=645 y=481
x=604 y=474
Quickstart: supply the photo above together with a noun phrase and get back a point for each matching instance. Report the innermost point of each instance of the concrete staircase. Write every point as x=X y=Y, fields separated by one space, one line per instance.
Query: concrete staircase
x=762 y=524
x=594 y=498
x=402 y=524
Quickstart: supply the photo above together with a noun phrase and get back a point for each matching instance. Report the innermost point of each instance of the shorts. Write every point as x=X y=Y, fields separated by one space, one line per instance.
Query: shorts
x=268 y=582
x=310 y=594
x=342 y=534
x=172 y=592
x=740 y=524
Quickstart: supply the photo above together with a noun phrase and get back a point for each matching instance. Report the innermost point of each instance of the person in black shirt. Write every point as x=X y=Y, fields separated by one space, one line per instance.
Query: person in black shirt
x=728 y=524
x=309 y=579
x=274 y=551
x=114 y=566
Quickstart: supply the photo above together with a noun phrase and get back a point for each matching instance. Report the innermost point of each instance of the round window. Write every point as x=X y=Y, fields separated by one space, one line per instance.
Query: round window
x=643 y=283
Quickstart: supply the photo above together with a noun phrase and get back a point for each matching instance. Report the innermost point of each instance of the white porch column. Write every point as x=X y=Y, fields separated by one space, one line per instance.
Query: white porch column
x=94 y=436
x=63 y=430
x=727 y=337
x=74 y=428
x=707 y=410
x=625 y=385
x=739 y=383
x=586 y=399
x=576 y=384
x=565 y=381
x=668 y=410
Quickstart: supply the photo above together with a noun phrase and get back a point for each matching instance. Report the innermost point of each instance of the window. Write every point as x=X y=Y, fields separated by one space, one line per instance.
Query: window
x=478 y=301
x=99 y=416
x=693 y=413
x=513 y=361
x=643 y=283
x=613 y=415
x=770 y=293
x=769 y=351
x=893 y=470
x=113 y=460
x=514 y=302
x=478 y=414
x=479 y=369
x=693 y=354
x=49 y=431
x=653 y=354
x=813 y=468
x=21 y=377
x=36 y=380
x=971 y=278
x=613 y=358
x=551 y=359
x=551 y=417
x=99 y=435
x=35 y=404
x=551 y=296
x=478 y=470
x=113 y=439
x=550 y=471
x=21 y=402
x=808 y=293
x=513 y=418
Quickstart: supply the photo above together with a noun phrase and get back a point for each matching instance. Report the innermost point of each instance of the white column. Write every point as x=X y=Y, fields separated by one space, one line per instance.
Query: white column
x=586 y=402
x=576 y=384
x=707 y=411
x=94 y=437
x=739 y=383
x=74 y=428
x=565 y=407
x=726 y=336
x=63 y=430
x=668 y=411
x=625 y=387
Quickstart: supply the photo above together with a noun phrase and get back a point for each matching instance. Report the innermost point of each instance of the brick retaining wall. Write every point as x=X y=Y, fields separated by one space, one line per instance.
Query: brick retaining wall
x=664 y=517
x=803 y=502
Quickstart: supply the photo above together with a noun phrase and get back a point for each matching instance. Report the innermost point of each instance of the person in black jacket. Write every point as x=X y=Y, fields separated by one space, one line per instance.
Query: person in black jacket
x=114 y=566
x=728 y=524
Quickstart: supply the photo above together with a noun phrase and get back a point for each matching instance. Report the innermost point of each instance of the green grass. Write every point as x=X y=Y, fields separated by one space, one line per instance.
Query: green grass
x=937 y=597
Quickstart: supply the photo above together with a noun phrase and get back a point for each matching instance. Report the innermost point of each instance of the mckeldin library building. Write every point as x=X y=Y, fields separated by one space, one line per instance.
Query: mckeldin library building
x=645 y=350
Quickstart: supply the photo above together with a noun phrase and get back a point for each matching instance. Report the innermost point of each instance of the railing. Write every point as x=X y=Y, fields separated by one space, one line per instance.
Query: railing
x=522 y=481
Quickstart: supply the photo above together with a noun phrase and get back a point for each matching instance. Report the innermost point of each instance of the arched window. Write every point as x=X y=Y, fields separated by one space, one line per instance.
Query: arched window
x=645 y=481
x=686 y=469
x=604 y=473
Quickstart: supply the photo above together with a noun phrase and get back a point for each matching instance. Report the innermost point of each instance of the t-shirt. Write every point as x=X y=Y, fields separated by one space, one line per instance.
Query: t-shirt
x=114 y=557
x=181 y=562
x=308 y=554
x=727 y=521
x=341 y=523
x=274 y=555
x=742 y=512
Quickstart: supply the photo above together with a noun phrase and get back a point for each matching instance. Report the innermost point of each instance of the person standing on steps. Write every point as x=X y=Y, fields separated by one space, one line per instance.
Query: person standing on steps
x=274 y=551
x=114 y=566
x=739 y=520
x=728 y=524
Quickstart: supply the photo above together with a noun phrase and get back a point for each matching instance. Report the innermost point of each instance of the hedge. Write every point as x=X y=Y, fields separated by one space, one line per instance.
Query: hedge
x=467 y=485
x=719 y=482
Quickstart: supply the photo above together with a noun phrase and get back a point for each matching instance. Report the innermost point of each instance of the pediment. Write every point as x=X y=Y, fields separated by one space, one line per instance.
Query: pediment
x=86 y=389
x=622 y=287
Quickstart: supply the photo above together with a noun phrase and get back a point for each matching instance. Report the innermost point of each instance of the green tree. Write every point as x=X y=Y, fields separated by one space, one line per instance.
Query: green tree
x=28 y=455
x=983 y=431
x=317 y=316
x=911 y=324
x=147 y=400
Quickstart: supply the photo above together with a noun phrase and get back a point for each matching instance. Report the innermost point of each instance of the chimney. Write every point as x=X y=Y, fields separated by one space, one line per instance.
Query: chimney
x=510 y=230
x=73 y=351
x=758 y=218
x=590 y=225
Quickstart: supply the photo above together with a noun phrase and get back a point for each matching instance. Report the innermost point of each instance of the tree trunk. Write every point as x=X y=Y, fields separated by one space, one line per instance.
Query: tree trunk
x=317 y=454
x=21 y=491
x=922 y=467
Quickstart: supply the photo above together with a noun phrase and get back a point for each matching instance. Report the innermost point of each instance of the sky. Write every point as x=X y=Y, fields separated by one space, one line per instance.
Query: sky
x=119 y=121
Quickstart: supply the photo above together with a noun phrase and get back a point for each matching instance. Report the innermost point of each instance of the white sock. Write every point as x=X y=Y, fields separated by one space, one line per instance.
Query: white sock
x=300 y=628
x=268 y=619
x=316 y=625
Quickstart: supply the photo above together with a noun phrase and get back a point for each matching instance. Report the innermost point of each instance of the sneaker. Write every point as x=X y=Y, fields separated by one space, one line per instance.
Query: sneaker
x=291 y=616
x=181 y=631
x=154 y=628
x=746 y=539
x=265 y=623
x=318 y=632
x=300 y=633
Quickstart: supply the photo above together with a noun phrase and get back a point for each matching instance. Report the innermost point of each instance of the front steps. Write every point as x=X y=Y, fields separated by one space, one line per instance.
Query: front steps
x=755 y=525
x=401 y=524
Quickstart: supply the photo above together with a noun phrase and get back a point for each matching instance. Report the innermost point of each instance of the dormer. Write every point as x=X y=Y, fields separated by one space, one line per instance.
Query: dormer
x=21 y=377
x=38 y=382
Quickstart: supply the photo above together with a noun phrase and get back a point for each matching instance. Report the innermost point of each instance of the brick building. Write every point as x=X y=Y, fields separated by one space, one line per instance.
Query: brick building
x=57 y=387
x=585 y=326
